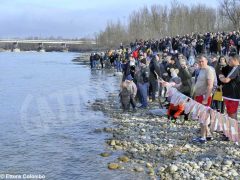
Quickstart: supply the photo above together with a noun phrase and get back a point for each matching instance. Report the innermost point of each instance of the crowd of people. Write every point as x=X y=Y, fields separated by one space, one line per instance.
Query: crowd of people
x=203 y=67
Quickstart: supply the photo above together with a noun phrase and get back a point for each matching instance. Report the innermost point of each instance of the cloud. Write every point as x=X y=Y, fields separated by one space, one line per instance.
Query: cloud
x=66 y=18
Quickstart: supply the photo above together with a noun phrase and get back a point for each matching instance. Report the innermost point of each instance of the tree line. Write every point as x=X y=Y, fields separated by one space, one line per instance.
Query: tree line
x=159 y=21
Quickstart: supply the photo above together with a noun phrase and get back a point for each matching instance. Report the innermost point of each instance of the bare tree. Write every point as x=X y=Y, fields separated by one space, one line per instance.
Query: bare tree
x=231 y=10
x=159 y=21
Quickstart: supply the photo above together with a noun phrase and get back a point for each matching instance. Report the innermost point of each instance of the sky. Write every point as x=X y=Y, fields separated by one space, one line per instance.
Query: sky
x=69 y=18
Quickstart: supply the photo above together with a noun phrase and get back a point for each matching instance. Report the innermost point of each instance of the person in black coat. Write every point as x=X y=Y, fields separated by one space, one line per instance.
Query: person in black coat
x=186 y=77
x=231 y=86
x=153 y=76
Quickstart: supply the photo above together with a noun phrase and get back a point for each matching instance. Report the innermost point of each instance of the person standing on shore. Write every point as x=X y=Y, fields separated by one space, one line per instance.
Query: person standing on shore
x=154 y=75
x=203 y=94
x=231 y=86
x=143 y=83
x=128 y=93
x=129 y=67
x=91 y=60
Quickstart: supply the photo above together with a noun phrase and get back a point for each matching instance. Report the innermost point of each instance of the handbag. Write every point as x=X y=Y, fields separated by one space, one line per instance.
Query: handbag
x=218 y=95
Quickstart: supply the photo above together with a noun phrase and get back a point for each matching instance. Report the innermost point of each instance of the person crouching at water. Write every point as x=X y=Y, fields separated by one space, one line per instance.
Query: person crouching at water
x=174 y=112
x=128 y=93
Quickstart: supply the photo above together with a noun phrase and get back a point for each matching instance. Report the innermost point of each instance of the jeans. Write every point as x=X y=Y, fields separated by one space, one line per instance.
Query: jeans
x=94 y=63
x=143 y=93
x=154 y=88
x=118 y=66
x=97 y=63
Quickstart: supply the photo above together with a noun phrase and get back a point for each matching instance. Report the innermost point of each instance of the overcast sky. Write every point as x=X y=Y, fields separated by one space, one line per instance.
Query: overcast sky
x=68 y=18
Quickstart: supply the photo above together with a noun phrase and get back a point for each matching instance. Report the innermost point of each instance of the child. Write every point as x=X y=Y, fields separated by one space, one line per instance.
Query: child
x=128 y=93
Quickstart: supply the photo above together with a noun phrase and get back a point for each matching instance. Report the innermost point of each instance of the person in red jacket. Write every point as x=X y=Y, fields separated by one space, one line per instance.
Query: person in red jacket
x=135 y=54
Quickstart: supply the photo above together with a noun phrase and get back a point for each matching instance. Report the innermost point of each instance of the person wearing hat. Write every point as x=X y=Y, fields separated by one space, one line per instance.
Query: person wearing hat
x=128 y=93
x=142 y=76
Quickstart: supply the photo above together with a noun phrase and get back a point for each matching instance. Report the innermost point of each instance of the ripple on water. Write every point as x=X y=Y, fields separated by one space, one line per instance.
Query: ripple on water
x=67 y=149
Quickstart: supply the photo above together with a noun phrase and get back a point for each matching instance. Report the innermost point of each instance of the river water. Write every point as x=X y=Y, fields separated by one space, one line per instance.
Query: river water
x=46 y=127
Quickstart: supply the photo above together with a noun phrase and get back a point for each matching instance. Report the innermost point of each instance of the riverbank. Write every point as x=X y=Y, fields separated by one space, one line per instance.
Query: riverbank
x=152 y=145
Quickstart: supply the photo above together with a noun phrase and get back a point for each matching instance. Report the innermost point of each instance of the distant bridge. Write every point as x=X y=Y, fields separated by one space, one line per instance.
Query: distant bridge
x=42 y=44
x=44 y=41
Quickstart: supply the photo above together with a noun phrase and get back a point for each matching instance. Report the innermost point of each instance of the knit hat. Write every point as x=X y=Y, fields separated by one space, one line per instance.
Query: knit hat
x=129 y=77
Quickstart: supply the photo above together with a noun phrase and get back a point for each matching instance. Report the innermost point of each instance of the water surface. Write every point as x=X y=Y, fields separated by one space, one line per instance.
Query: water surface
x=46 y=127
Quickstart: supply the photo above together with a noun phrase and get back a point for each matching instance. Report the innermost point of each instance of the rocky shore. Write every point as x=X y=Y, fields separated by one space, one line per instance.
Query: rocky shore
x=163 y=150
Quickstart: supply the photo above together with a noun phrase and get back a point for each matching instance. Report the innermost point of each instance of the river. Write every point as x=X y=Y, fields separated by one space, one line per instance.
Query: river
x=46 y=127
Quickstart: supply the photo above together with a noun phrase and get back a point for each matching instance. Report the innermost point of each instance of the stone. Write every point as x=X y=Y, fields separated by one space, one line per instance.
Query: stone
x=151 y=172
x=161 y=169
x=113 y=143
x=176 y=154
x=195 y=166
x=187 y=146
x=105 y=154
x=138 y=169
x=121 y=168
x=118 y=143
x=123 y=159
x=227 y=162
x=165 y=126
x=108 y=130
x=176 y=176
x=113 y=166
x=225 y=175
x=207 y=165
x=224 y=168
x=153 y=178
x=200 y=163
x=234 y=172
x=186 y=176
x=148 y=165
x=217 y=173
x=170 y=145
x=201 y=175
x=173 y=168
x=118 y=147
x=133 y=150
